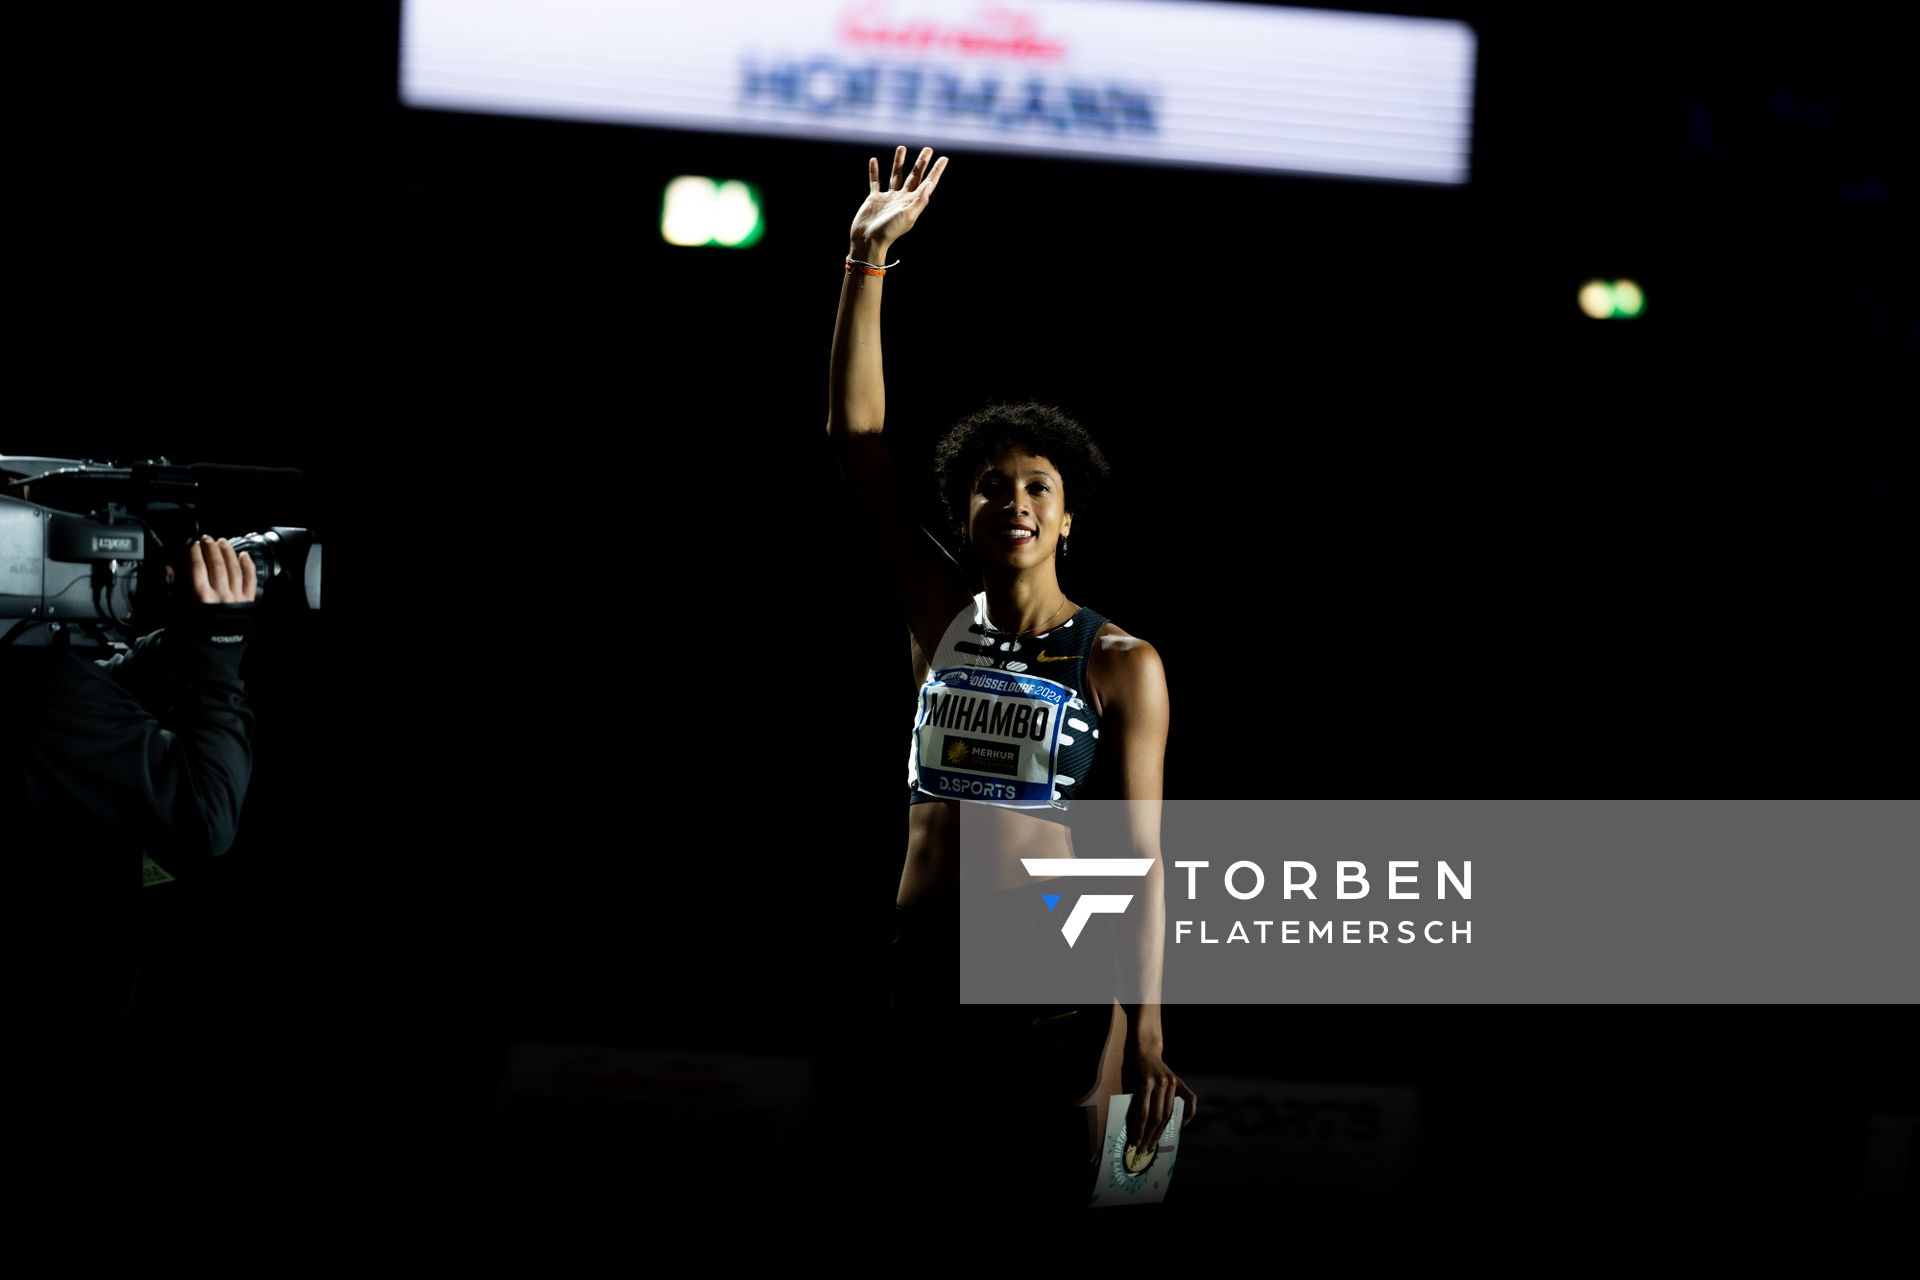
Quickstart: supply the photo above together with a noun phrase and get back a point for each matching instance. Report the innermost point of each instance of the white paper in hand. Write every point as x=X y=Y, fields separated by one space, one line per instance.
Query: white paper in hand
x=1114 y=1184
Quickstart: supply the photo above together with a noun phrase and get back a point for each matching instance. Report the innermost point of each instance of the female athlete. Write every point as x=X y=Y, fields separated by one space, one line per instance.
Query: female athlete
x=1013 y=478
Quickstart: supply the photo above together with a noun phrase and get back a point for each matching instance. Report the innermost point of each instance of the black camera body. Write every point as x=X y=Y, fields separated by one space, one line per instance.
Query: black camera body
x=84 y=546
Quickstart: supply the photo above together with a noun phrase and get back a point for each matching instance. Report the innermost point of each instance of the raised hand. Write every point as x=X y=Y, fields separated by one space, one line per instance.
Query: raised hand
x=891 y=210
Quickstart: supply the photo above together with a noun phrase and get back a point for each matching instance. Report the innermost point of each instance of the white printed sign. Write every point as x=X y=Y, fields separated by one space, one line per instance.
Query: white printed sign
x=1236 y=86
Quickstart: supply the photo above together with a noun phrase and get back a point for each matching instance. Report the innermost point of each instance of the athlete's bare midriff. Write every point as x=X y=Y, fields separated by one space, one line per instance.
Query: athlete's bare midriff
x=994 y=849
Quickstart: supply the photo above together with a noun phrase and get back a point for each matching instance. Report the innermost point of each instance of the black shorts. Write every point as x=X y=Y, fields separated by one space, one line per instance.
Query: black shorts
x=1050 y=1053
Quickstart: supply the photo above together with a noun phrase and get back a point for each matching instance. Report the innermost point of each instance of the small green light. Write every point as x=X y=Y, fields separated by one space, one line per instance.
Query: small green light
x=1612 y=300
x=737 y=222
x=705 y=211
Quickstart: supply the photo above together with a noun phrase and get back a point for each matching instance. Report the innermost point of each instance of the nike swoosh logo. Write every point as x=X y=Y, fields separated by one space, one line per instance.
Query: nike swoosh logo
x=1048 y=657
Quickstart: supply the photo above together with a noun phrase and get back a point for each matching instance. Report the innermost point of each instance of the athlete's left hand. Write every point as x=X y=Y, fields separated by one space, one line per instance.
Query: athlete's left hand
x=1153 y=1084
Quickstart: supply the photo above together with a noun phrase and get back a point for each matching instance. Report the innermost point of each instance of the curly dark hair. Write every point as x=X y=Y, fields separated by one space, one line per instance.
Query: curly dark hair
x=1036 y=428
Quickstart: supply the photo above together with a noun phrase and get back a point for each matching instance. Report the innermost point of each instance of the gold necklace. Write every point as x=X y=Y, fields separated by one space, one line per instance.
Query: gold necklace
x=992 y=630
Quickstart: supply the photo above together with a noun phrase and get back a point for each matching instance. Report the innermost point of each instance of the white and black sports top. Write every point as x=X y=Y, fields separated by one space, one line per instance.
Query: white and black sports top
x=1005 y=720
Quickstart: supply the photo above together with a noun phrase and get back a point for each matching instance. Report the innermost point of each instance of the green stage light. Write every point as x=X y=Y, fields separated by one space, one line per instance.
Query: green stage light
x=1612 y=299
x=707 y=211
x=1628 y=300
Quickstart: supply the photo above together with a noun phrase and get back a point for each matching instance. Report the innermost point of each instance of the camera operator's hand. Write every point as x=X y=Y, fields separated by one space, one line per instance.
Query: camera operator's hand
x=220 y=574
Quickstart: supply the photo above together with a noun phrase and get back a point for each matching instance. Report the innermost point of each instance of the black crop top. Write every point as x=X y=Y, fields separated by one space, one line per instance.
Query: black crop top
x=1004 y=720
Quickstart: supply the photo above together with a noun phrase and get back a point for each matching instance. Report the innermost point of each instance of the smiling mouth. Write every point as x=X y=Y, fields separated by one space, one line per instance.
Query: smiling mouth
x=1018 y=536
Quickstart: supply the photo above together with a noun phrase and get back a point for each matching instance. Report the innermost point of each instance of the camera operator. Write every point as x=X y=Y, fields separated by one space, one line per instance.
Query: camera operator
x=100 y=763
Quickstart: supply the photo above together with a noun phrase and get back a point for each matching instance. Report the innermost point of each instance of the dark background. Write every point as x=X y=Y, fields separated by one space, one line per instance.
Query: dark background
x=1456 y=538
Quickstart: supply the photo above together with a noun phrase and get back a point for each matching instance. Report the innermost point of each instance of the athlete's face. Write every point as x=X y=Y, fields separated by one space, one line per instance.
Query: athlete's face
x=1019 y=509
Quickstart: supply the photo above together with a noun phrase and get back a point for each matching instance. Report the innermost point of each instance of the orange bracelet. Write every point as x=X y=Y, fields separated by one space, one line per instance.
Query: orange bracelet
x=868 y=267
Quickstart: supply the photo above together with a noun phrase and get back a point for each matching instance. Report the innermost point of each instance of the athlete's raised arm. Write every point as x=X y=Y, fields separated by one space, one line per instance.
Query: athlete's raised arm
x=857 y=394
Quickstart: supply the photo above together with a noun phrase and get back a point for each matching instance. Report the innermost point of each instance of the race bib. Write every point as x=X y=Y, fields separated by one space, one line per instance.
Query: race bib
x=986 y=734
